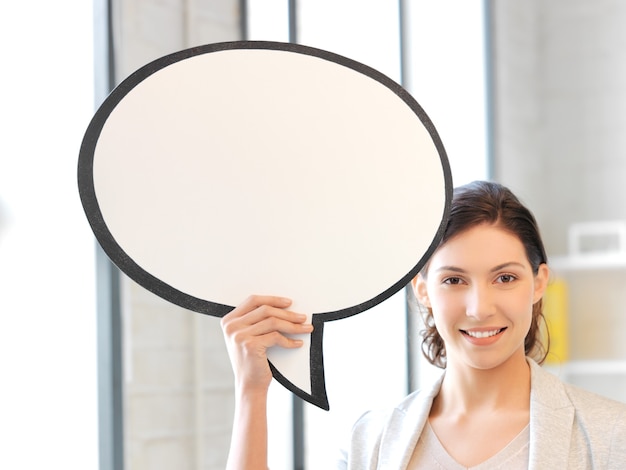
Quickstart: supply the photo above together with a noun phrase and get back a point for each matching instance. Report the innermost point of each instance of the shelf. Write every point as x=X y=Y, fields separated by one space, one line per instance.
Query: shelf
x=588 y=262
x=589 y=367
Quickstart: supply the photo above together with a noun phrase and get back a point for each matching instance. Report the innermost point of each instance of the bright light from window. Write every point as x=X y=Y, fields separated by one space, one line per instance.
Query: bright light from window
x=47 y=274
x=447 y=75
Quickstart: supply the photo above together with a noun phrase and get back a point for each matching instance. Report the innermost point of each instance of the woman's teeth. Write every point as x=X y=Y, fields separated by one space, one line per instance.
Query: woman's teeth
x=482 y=334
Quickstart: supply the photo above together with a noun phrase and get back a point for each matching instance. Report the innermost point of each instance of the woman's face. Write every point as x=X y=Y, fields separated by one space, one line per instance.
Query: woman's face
x=481 y=289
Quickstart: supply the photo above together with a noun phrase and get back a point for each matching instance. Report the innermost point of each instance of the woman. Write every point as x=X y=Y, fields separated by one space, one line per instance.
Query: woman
x=493 y=407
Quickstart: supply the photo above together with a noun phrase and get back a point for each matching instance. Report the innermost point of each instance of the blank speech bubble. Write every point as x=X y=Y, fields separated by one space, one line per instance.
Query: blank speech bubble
x=268 y=168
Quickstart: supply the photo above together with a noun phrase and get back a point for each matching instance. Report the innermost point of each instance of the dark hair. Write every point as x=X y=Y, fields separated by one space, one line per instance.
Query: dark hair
x=483 y=202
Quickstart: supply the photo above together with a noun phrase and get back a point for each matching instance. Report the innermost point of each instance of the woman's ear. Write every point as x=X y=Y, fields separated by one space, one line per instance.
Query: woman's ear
x=420 y=290
x=541 y=281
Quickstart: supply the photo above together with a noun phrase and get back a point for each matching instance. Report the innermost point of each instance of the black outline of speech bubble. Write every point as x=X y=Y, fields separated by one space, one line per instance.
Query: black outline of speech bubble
x=115 y=252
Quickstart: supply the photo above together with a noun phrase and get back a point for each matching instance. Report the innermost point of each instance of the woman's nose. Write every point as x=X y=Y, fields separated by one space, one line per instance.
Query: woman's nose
x=480 y=303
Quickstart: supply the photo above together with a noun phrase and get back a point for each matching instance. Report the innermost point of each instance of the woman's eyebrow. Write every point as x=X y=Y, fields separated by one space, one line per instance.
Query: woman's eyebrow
x=451 y=268
x=457 y=269
x=506 y=265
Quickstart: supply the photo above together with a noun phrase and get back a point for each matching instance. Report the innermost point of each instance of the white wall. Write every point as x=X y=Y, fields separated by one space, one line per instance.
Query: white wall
x=48 y=405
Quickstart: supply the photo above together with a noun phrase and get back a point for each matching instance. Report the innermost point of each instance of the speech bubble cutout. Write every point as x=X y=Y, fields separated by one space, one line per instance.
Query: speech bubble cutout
x=262 y=167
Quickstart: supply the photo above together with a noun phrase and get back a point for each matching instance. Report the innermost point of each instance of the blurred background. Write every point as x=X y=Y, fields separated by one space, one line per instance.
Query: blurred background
x=99 y=373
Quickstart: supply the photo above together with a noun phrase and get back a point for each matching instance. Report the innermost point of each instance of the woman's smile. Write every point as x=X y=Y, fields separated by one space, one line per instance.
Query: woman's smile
x=483 y=336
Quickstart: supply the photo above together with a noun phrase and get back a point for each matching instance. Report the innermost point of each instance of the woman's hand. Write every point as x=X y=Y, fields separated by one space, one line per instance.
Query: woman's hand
x=259 y=323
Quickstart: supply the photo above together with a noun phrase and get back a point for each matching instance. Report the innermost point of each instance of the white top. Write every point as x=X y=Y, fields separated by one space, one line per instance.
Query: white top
x=430 y=453
x=569 y=428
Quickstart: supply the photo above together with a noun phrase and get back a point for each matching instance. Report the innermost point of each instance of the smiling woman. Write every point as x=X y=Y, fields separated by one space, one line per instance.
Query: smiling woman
x=493 y=405
x=501 y=242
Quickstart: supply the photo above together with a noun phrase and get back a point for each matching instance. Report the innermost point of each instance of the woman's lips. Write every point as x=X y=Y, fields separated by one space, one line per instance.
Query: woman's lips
x=483 y=336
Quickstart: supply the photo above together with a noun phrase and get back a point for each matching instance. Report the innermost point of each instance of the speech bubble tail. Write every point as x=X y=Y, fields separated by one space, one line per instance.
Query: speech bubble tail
x=316 y=394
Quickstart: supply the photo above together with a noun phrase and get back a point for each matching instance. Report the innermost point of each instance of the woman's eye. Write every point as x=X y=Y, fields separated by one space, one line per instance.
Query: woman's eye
x=506 y=278
x=452 y=281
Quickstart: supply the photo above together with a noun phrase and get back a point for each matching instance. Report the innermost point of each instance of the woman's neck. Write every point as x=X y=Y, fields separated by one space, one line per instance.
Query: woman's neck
x=467 y=390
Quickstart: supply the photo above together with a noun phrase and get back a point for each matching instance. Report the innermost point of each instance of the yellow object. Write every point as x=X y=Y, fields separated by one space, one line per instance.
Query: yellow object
x=555 y=311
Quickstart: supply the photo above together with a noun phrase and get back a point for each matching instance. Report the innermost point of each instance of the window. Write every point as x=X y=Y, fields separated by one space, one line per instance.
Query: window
x=47 y=272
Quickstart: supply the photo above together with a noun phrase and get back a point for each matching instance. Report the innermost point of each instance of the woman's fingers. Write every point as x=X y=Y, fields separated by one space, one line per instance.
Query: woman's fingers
x=269 y=322
x=259 y=323
x=255 y=347
x=258 y=318
x=255 y=301
x=266 y=327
